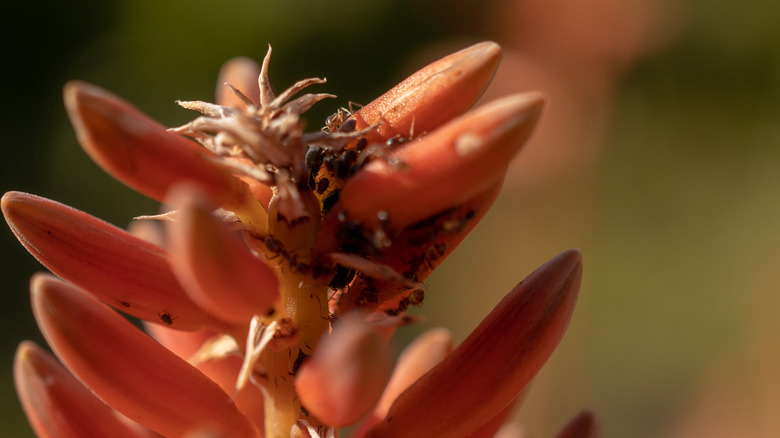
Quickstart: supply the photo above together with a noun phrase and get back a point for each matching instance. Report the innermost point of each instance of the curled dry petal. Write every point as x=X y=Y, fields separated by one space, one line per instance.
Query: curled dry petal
x=418 y=358
x=433 y=95
x=118 y=268
x=443 y=169
x=144 y=155
x=346 y=375
x=216 y=268
x=57 y=405
x=129 y=370
x=493 y=365
x=584 y=425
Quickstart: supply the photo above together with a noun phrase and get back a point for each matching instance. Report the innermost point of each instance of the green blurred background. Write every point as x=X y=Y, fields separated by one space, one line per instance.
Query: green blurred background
x=672 y=197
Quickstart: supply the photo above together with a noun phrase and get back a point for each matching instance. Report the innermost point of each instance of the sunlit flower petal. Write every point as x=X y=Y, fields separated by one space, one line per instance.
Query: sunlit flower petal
x=443 y=169
x=127 y=369
x=433 y=95
x=120 y=269
x=144 y=155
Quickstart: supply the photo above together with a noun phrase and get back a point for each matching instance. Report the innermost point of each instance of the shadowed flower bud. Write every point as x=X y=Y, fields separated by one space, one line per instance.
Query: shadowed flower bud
x=58 y=405
x=216 y=268
x=344 y=378
x=584 y=425
x=495 y=363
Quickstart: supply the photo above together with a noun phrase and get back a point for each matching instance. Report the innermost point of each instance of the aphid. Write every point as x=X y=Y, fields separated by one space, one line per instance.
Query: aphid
x=329 y=201
x=166 y=317
x=322 y=185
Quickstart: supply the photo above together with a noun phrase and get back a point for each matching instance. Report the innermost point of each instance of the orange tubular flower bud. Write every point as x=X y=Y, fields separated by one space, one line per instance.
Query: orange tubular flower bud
x=493 y=365
x=144 y=155
x=418 y=358
x=443 y=169
x=433 y=95
x=118 y=268
x=216 y=268
x=346 y=375
x=584 y=425
x=127 y=369
x=57 y=405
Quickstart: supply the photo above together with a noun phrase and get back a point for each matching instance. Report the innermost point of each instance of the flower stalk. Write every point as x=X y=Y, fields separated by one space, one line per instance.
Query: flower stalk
x=288 y=260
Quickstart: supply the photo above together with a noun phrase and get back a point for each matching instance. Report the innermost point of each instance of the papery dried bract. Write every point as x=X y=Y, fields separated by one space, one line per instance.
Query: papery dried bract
x=127 y=369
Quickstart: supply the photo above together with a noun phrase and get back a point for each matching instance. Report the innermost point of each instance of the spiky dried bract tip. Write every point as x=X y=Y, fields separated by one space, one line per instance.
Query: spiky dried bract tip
x=490 y=368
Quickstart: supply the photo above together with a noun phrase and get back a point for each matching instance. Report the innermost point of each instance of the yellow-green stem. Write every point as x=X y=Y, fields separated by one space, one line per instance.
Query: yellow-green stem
x=307 y=306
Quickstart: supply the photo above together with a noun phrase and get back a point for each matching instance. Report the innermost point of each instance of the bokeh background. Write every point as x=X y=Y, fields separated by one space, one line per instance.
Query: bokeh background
x=658 y=156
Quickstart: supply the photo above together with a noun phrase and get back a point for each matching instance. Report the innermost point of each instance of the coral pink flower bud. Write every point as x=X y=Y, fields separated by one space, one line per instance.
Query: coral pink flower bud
x=143 y=154
x=487 y=371
x=216 y=268
x=118 y=268
x=433 y=95
x=443 y=169
x=127 y=369
x=346 y=375
x=57 y=405
x=418 y=358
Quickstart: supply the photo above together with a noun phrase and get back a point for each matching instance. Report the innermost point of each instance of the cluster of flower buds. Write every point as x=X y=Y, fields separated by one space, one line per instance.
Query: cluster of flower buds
x=283 y=263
